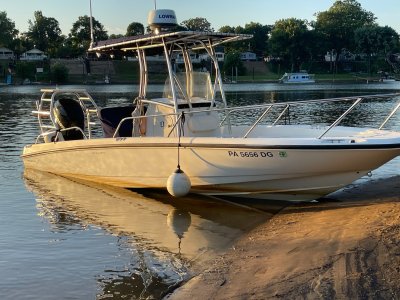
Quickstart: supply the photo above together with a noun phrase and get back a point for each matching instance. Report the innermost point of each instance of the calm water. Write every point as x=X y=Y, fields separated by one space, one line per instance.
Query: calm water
x=84 y=241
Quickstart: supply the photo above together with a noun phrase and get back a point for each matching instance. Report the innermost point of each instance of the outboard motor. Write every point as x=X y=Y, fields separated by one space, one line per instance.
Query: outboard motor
x=68 y=113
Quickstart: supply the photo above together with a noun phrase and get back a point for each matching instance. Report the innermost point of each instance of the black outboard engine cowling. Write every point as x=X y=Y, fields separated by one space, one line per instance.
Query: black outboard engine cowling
x=68 y=113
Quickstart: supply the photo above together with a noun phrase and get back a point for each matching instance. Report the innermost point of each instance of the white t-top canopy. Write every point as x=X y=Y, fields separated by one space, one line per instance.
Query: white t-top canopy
x=190 y=39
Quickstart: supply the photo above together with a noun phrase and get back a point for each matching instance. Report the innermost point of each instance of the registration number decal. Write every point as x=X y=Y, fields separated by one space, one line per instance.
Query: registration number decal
x=251 y=154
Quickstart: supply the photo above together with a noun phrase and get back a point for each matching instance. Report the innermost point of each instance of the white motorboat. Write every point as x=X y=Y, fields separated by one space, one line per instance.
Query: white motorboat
x=191 y=128
x=300 y=77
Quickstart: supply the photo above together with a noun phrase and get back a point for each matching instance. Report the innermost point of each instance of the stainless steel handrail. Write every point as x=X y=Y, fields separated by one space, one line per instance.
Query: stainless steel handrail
x=281 y=115
x=57 y=132
x=176 y=123
x=72 y=128
x=147 y=117
x=227 y=114
x=338 y=120
x=390 y=115
x=258 y=120
x=286 y=105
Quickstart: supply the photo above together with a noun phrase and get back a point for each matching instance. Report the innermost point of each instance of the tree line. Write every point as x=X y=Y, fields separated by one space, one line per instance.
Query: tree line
x=292 y=41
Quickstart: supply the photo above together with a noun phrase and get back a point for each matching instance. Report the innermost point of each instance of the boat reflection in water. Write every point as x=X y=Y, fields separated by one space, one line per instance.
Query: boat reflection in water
x=167 y=237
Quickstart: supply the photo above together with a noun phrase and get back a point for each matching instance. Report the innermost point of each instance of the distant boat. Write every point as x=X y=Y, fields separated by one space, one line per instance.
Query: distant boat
x=385 y=77
x=301 y=77
x=389 y=79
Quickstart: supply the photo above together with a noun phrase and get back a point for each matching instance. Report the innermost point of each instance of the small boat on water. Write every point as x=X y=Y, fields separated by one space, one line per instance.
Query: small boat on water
x=190 y=140
x=300 y=77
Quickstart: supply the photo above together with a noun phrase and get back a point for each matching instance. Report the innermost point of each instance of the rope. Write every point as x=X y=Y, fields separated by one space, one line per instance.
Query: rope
x=180 y=133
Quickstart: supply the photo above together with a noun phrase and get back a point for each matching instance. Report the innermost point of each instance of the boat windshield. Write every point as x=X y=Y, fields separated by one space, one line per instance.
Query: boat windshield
x=190 y=86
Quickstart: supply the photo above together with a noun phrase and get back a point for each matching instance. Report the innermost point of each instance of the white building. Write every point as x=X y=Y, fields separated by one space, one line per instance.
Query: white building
x=248 y=56
x=219 y=55
x=345 y=55
x=197 y=58
x=34 y=54
x=194 y=57
x=6 y=53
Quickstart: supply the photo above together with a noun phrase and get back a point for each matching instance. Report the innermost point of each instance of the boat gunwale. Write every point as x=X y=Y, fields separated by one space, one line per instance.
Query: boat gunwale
x=184 y=145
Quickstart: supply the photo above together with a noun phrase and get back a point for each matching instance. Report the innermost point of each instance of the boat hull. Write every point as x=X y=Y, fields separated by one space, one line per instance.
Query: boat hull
x=239 y=166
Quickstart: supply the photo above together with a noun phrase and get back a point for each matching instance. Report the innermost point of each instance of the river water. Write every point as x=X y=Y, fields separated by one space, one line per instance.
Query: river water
x=72 y=240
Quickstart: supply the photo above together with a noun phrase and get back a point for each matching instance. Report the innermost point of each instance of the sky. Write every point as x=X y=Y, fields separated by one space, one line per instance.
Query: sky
x=116 y=15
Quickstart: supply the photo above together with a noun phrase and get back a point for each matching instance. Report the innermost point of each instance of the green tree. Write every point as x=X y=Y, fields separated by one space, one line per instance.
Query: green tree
x=291 y=40
x=233 y=61
x=115 y=36
x=135 y=28
x=25 y=44
x=367 y=39
x=8 y=33
x=258 y=43
x=374 y=41
x=236 y=46
x=67 y=49
x=197 y=24
x=80 y=33
x=44 y=33
x=337 y=25
x=227 y=29
x=390 y=40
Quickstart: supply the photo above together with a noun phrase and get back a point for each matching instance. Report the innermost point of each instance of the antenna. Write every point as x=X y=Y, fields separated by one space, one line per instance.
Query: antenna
x=91 y=24
x=155 y=4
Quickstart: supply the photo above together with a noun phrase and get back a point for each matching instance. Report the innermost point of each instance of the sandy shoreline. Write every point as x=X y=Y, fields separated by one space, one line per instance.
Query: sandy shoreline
x=347 y=247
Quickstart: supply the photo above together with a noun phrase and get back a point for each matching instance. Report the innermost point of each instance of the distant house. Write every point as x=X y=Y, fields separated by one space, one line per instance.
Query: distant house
x=194 y=57
x=345 y=55
x=220 y=56
x=270 y=58
x=248 y=56
x=34 y=54
x=6 y=53
x=197 y=58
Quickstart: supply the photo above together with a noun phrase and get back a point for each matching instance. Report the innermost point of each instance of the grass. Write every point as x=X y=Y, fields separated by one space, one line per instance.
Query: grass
x=127 y=72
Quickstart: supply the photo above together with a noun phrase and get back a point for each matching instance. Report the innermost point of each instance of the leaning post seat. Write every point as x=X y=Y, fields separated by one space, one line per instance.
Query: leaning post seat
x=68 y=113
x=110 y=118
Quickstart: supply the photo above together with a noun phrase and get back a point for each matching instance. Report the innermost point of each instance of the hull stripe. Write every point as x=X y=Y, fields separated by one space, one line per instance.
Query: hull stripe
x=223 y=146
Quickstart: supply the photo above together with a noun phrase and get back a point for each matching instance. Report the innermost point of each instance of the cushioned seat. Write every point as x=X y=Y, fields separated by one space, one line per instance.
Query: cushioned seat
x=110 y=118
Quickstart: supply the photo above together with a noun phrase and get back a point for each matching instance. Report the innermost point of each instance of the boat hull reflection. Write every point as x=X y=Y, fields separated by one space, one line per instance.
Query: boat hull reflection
x=176 y=233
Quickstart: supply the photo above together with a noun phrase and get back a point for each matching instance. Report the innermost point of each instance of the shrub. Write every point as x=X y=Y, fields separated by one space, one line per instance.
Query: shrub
x=26 y=70
x=59 y=73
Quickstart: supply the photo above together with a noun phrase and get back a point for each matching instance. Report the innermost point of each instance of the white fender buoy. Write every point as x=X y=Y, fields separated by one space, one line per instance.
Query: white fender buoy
x=178 y=183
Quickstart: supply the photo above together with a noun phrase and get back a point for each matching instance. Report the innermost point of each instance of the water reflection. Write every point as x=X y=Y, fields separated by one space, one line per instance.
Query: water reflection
x=179 y=221
x=165 y=236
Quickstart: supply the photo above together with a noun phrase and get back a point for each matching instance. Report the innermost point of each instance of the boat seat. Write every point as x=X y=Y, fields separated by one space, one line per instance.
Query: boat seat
x=110 y=118
x=203 y=122
x=68 y=113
